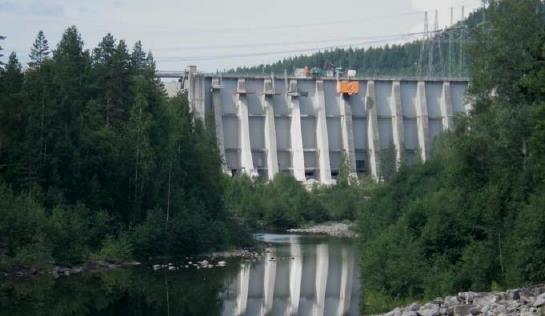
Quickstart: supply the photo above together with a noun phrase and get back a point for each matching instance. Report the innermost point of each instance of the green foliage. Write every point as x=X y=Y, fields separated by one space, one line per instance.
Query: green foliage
x=388 y=60
x=120 y=249
x=279 y=204
x=99 y=162
x=285 y=203
x=472 y=217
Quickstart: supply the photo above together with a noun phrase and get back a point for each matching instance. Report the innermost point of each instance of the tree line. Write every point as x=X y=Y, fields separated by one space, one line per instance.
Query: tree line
x=97 y=162
x=448 y=57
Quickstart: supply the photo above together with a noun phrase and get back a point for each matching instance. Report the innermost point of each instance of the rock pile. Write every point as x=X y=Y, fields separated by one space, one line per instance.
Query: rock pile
x=526 y=302
x=341 y=230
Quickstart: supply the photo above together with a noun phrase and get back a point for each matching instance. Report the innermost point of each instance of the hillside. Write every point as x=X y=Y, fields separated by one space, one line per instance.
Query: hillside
x=397 y=59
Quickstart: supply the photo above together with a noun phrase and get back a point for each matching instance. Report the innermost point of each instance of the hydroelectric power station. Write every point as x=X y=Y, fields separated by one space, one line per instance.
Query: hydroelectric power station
x=305 y=125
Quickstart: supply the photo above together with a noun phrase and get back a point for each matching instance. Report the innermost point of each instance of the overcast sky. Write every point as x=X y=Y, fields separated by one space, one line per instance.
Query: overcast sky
x=220 y=34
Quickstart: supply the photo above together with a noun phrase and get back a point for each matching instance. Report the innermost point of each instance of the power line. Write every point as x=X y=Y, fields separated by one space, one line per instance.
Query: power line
x=284 y=43
x=231 y=56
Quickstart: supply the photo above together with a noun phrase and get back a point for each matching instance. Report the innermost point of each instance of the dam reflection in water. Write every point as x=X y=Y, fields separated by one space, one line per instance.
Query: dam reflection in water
x=297 y=276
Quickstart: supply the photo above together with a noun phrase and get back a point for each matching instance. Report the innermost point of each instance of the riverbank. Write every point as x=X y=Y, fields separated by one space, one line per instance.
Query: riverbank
x=524 y=301
x=60 y=270
x=101 y=265
x=333 y=229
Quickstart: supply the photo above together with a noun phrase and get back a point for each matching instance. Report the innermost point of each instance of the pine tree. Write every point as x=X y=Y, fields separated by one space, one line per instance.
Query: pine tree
x=1 y=55
x=39 y=52
x=138 y=57
x=110 y=68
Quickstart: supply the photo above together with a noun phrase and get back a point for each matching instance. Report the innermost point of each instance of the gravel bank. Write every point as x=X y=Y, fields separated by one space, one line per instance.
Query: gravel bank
x=342 y=230
x=528 y=301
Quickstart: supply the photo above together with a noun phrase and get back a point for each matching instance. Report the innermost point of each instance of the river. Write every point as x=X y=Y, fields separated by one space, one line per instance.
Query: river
x=297 y=275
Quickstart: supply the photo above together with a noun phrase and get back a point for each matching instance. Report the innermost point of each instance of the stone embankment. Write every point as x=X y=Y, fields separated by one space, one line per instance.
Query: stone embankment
x=525 y=301
x=342 y=230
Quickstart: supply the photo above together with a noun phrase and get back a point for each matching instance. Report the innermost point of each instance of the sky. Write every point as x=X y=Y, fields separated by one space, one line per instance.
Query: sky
x=220 y=34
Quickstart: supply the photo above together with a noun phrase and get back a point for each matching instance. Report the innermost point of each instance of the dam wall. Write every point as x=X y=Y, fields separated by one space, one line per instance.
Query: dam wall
x=306 y=128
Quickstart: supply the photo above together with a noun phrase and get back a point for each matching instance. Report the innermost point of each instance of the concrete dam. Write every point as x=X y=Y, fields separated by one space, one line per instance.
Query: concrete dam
x=305 y=126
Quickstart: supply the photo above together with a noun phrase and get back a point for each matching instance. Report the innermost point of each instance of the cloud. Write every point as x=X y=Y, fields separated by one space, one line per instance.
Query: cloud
x=8 y=6
x=35 y=8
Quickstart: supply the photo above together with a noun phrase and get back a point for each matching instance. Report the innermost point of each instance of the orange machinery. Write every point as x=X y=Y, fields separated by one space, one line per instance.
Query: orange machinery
x=348 y=87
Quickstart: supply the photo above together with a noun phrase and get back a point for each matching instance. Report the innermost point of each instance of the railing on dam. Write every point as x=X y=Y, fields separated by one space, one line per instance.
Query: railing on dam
x=304 y=127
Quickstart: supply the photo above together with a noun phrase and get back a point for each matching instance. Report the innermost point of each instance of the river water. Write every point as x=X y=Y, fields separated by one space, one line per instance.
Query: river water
x=297 y=275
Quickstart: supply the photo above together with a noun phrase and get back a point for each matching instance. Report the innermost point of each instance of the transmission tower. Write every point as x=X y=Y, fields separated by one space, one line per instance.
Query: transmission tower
x=451 y=44
x=461 y=43
x=423 y=45
x=431 y=46
x=435 y=42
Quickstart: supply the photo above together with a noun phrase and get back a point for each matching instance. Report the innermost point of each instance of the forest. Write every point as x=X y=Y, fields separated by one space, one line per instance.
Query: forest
x=97 y=163
x=449 y=56
x=473 y=216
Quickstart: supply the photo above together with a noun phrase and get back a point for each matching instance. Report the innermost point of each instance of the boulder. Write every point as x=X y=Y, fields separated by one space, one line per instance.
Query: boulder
x=413 y=307
x=513 y=294
x=461 y=310
x=475 y=310
x=540 y=300
x=451 y=300
x=484 y=299
x=396 y=312
x=429 y=309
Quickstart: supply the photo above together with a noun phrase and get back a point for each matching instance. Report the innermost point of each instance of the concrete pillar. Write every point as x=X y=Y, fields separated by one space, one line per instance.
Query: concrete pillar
x=244 y=283
x=296 y=273
x=397 y=122
x=322 y=267
x=196 y=93
x=348 y=134
x=246 y=160
x=298 y=153
x=446 y=107
x=373 y=137
x=422 y=122
x=270 y=129
x=218 y=119
x=322 y=141
x=269 y=280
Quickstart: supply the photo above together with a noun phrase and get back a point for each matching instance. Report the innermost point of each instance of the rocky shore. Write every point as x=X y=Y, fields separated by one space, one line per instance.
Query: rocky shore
x=98 y=266
x=342 y=230
x=528 y=301
x=60 y=271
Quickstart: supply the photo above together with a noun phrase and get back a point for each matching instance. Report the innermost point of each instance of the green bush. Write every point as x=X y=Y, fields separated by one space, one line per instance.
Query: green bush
x=116 y=249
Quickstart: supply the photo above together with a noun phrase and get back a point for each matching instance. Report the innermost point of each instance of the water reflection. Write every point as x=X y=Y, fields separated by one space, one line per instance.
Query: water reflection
x=296 y=272
x=298 y=276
